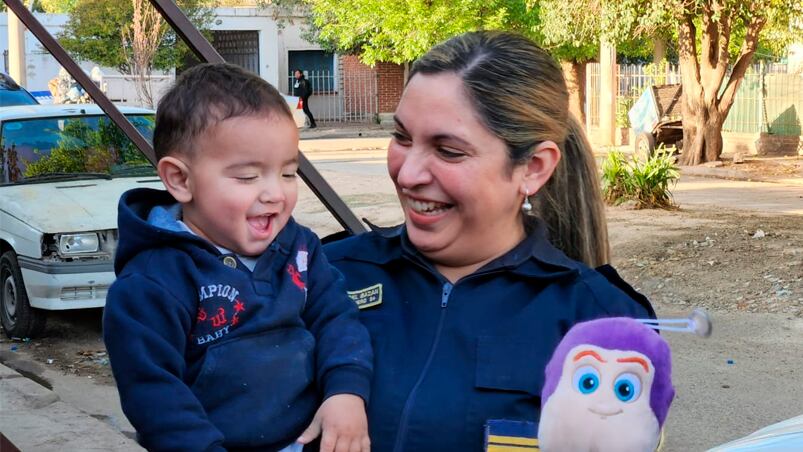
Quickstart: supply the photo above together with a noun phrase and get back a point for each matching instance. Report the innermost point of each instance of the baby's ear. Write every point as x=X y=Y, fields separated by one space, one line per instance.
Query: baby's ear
x=175 y=176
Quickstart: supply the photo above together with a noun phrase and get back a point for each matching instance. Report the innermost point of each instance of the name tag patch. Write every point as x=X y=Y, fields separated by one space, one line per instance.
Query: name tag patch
x=367 y=297
x=510 y=436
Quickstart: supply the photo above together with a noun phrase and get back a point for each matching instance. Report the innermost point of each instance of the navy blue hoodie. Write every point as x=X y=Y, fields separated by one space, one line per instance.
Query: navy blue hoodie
x=208 y=354
x=452 y=358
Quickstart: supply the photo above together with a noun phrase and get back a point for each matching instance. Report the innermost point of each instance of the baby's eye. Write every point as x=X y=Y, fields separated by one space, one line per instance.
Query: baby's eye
x=246 y=178
x=289 y=175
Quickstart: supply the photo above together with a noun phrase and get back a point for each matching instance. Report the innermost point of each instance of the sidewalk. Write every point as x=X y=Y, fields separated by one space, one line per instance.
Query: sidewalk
x=34 y=418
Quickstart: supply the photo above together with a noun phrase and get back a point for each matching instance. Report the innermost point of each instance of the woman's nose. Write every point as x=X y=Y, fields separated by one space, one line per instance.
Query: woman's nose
x=413 y=169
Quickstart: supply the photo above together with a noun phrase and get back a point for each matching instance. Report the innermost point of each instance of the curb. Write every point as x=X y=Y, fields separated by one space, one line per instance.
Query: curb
x=732 y=174
x=33 y=417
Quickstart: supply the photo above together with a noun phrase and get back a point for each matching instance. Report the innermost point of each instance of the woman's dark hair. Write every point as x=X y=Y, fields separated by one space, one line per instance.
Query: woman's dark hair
x=519 y=92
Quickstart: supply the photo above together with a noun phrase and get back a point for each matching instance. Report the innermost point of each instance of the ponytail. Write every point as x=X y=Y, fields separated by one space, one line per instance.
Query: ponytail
x=571 y=202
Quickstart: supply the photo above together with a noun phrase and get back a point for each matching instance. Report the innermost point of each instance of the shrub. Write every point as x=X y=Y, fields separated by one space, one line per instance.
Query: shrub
x=646 y=182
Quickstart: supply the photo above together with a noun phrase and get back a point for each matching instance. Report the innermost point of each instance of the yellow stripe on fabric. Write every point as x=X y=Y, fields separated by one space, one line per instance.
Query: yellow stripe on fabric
x=509 y=448
x=517 y=440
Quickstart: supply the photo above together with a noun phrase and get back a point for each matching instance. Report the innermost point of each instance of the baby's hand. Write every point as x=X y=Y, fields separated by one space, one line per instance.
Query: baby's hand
x=345 y=426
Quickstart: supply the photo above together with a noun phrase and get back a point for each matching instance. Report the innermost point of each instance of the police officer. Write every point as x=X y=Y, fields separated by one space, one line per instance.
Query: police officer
x=466 y=300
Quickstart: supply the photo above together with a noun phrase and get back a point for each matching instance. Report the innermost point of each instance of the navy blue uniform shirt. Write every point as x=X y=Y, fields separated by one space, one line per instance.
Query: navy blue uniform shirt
x=450 y=357
x=208 y=354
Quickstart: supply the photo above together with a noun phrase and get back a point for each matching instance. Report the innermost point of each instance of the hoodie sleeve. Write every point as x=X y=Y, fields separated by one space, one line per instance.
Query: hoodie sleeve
x=145 y=329
x=343 y=353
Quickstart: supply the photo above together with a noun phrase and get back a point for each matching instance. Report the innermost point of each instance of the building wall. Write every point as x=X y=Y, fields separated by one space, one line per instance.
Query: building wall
x=389 y=80
x=390 y=84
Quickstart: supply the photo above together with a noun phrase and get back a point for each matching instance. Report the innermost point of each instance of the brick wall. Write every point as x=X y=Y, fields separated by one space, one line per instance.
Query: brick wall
x=389 y=83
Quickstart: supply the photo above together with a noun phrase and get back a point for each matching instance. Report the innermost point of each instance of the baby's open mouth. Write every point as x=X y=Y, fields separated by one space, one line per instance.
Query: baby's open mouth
x=261 y=223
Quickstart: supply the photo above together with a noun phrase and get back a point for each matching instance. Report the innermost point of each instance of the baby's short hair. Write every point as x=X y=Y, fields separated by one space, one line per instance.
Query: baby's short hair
x=206 y=95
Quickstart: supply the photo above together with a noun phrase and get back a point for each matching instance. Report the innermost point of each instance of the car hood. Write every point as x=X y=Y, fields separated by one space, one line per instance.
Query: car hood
x=783 y=436
x=70 y=206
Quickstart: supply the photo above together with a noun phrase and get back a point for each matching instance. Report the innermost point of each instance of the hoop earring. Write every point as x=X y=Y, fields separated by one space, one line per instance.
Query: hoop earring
x=526 y=206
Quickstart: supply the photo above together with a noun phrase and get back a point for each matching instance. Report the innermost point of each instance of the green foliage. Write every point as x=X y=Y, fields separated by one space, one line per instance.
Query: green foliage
x=400 y=31
x=623 y=106
x=615 y=181
x=56 y=6
x=646 y=182
x=83 y=148
x=93 y=33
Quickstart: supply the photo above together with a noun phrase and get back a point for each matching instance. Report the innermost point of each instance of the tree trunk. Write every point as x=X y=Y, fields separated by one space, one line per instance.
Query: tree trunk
x=658 y=49
x=702 y=133
x=575 y=75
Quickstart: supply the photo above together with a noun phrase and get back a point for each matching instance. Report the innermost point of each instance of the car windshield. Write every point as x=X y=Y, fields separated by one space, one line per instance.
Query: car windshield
x=9 y=97
x=75 y=147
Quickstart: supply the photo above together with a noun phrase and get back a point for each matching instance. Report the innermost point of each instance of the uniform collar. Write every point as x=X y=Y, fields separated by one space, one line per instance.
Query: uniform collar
x=534 y=256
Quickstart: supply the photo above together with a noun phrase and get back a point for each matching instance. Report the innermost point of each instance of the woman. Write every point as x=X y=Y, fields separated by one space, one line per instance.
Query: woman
x=466 y=301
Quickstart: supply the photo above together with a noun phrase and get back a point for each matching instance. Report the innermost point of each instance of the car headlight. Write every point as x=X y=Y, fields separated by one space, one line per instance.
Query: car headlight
x=78 y=243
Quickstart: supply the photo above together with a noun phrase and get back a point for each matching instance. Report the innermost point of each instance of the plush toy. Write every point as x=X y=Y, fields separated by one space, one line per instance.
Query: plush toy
x=608 y=387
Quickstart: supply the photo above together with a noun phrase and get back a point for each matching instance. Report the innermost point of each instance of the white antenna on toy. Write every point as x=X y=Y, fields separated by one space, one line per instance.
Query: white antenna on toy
x=699 y=323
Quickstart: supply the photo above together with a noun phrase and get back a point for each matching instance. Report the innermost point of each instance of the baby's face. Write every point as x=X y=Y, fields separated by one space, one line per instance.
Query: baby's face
x=243 y=181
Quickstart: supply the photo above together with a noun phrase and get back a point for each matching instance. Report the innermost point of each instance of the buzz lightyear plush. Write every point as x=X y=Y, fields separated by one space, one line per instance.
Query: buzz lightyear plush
x=608 y=387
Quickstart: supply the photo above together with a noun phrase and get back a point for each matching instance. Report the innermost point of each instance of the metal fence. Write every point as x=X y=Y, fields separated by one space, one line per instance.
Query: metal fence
x=338 y=98
x=768 y=100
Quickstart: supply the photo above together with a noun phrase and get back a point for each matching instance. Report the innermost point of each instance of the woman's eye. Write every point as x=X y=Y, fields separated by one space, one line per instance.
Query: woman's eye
x=400 y=137
x=450 y=154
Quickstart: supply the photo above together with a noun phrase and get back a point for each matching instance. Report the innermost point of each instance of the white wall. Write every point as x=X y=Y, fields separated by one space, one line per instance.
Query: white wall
x=273 y=44
x=795 y=63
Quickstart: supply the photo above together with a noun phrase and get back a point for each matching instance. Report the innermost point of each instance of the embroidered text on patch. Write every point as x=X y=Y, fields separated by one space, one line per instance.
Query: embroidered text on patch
x=367 y=297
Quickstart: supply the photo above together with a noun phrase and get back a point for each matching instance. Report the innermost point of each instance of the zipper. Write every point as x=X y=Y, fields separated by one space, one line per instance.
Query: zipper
x=408 y=405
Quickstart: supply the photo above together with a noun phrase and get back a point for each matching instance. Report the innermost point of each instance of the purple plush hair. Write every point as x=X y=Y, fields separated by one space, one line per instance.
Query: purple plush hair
x=618 y=333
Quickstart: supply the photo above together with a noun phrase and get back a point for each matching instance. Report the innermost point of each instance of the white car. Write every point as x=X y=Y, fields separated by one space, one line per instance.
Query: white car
x=298 y=113
x=62 y=171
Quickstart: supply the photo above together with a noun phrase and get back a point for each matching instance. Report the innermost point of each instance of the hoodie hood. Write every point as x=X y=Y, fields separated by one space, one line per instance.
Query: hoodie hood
x=137 y=234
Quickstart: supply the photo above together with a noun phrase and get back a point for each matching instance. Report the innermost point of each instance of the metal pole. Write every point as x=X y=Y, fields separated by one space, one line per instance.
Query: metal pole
x=58 y=52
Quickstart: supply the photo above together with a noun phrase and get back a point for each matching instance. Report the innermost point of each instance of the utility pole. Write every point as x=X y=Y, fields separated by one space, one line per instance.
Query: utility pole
x=609 y=88
x=16 y=49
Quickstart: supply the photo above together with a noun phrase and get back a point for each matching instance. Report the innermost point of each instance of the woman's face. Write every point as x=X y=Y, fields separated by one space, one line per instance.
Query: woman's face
x=461 y=201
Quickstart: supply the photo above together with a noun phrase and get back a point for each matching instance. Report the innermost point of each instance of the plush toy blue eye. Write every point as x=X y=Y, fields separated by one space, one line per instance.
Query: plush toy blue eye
x=586 y=379
x=627 y=387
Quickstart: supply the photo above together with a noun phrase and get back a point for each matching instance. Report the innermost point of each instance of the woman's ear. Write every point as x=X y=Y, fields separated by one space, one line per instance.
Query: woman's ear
x=175 y=176
x=541 y=165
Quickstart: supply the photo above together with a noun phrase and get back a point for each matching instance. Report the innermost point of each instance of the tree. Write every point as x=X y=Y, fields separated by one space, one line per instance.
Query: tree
x=140 y=41
x=399 y=31
x=96 y=28
x=717 y=40
x=572 y=31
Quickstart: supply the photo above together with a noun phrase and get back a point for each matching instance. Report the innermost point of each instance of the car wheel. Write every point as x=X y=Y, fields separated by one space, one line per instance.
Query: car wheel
x=17 y=316
x=644 y=145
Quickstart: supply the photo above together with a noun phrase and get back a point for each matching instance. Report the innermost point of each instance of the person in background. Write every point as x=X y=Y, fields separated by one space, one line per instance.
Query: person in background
x=303 y=89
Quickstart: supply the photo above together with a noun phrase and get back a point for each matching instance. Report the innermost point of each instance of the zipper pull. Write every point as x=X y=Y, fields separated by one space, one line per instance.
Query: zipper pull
x=447 y=289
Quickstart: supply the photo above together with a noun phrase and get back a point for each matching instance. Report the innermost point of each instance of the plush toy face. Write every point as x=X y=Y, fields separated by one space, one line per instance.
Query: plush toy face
x=602 y=400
